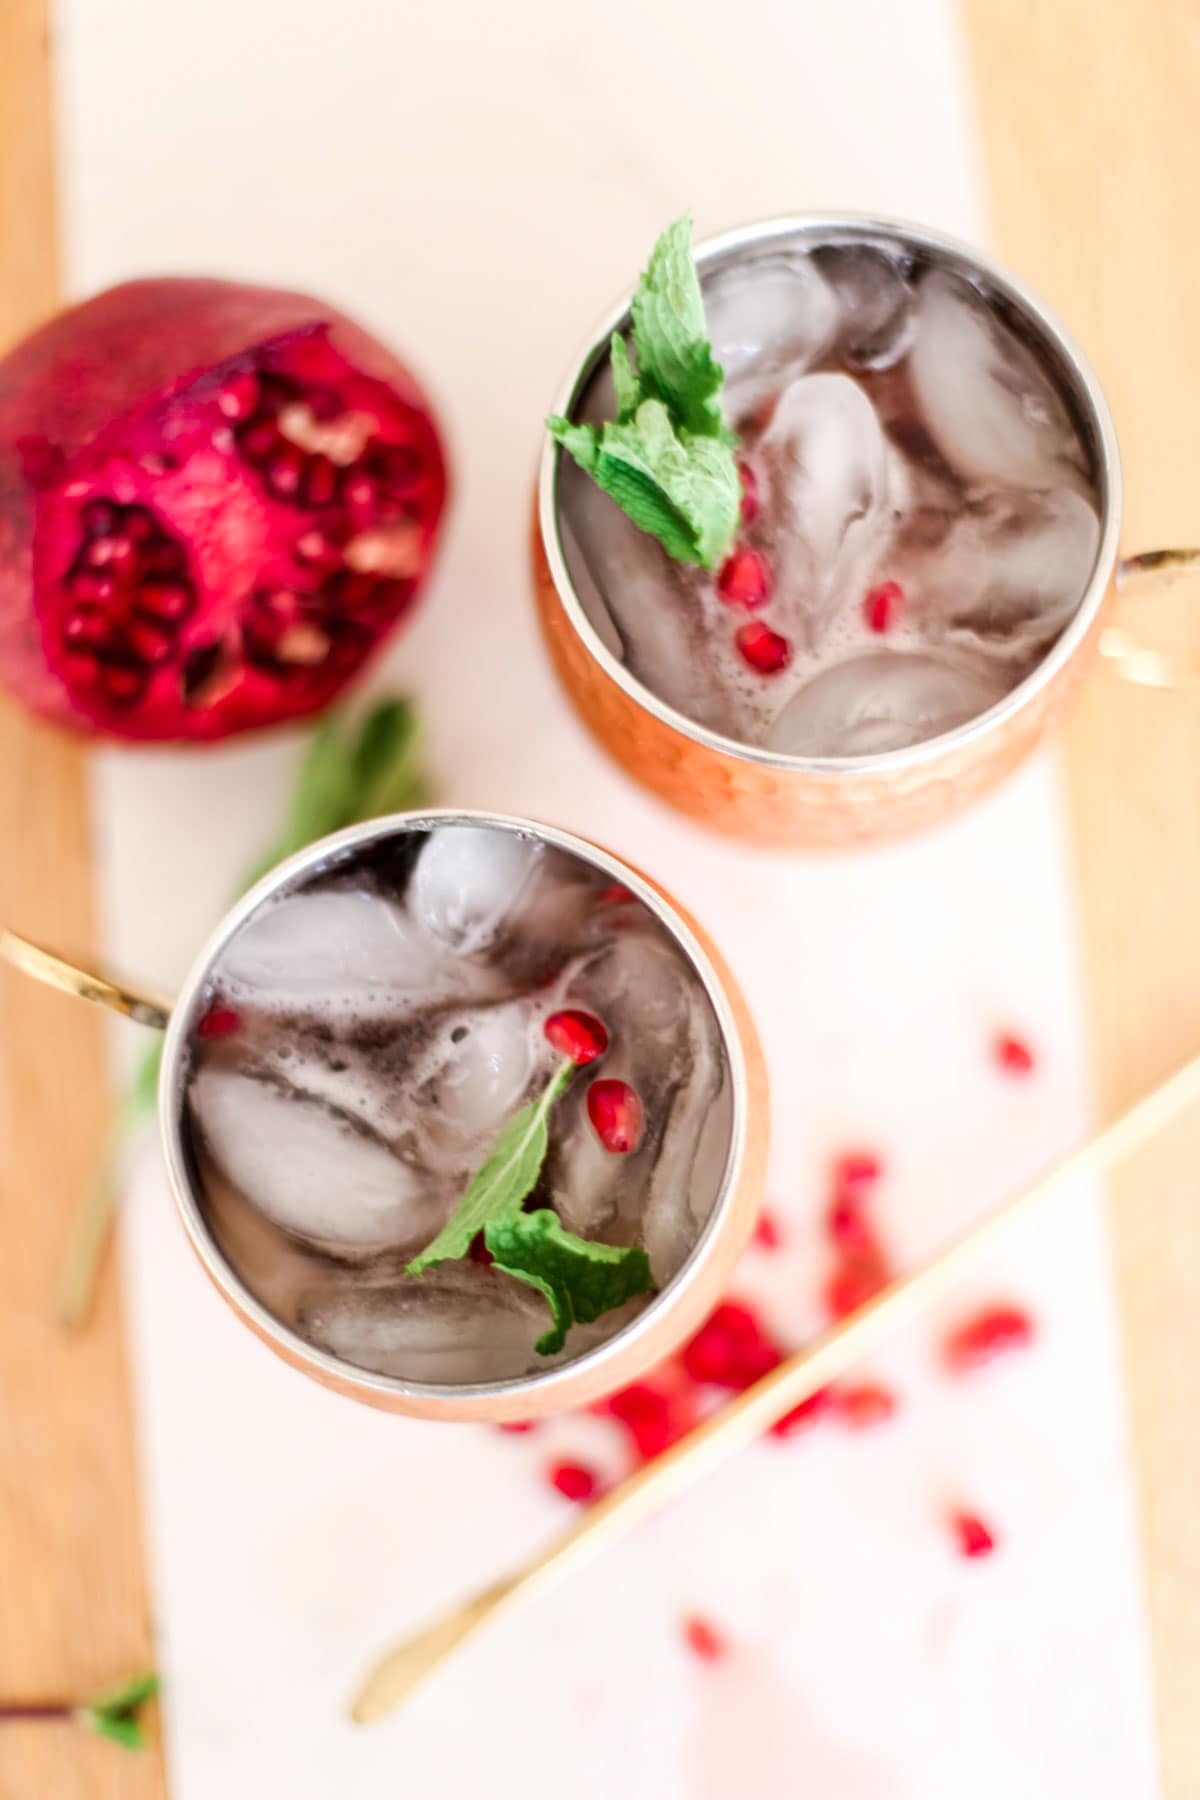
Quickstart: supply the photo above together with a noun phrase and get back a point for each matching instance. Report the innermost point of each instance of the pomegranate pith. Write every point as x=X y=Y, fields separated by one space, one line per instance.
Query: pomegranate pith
x=579 y=1035
x=216 y=501
x=616 y=1115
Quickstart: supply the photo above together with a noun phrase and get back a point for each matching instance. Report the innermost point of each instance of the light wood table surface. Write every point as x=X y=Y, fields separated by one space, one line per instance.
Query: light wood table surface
x=1090 y=135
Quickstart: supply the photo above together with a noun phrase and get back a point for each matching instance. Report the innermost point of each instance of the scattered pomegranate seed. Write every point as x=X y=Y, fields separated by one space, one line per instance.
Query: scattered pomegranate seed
x=574 y=1481
x=883 y=605
x=703 y=1639
x=766 y=651
x=219 y=1022
x=731 y=1349
x=615 y=894
x=653 y=1418
x=744 y=580
x=866 y=1405
x=990 y=1333
x=847 y=1224
x=807 y=1413
x=856 y=1169
x=617 y=1115
x=519 y=1425
x=1012 y=1053
x=750 y=501
x=974 y=1537
x=858 y=1278
x=478 y=1251
x=579 y=1035
x=768 y=1233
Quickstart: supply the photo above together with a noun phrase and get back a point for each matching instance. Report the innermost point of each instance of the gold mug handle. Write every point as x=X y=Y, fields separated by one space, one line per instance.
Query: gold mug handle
x=1132 y=659
x=84 y=984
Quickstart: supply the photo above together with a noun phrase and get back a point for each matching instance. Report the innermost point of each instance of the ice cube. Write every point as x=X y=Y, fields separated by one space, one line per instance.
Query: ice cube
x=345 y=952
x=1013 y=572
x=309 y=1170
x=768 y=315
x=469 y=879
x=833 y=485
x=692 y=1151
x=455 y=1324
x=885 y=700
x=877 y=320
x=467 y=1080
x=985 y=399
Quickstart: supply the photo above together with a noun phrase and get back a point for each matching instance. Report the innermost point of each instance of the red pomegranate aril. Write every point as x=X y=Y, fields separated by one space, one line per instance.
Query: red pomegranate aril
x=767 y=652
x=478 y=1252
x=87 y=628
x=1013 y=1054
x=731 y=1349
x=320 y=481
x=703 y=1639
x=122 y=684
x=578 y=1035
x=750 y=502
x=653 y=1418
x=168 y=601
x=284 y=472
x=992 y=1332
x=239 y=397
x=219 y=1022
x=518 y=1427
x=149 y=643
x=98 y=518
x=805 y=1414
x=574 y=1481
x=883 y=606
x=615 y=894
x=860 y=1276
x=974 y=1537
x=865 y=1405
x=744 y=580
x=856 y=1169
x=616 y=1114
x=847 y=1225
x=768 y=1233
x=85 y=584
x=260 y=441
x=105 y=551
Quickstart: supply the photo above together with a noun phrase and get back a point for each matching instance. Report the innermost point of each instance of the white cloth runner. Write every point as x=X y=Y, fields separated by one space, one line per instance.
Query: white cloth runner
x=478 y=182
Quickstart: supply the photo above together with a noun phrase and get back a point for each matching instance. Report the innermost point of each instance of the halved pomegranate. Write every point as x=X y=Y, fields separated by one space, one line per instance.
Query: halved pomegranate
x=216 y=501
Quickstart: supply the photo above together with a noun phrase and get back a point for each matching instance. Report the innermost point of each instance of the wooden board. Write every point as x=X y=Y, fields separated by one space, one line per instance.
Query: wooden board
x=1093 y=156
x=73 y=1604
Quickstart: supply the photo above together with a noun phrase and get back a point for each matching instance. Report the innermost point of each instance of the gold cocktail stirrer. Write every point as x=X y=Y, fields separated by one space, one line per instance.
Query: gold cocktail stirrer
x=750 y=1413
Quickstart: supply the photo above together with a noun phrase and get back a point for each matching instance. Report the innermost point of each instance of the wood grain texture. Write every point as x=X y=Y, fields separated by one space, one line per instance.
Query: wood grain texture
x=73 y=1606
x=1093 y=151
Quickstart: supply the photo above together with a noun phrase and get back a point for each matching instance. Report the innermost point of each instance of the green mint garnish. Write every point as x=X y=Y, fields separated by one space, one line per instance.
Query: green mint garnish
x=115 y=1715
x=580 y=1280
x=666 y=459
x=509 y=1174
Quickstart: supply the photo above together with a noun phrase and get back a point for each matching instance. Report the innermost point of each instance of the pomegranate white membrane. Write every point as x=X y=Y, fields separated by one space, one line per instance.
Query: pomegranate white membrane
x=920 y=507
x=362 y=1042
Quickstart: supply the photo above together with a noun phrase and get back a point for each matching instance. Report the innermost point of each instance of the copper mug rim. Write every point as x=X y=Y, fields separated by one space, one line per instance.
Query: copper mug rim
x=1088 y=394
x=581 y=1377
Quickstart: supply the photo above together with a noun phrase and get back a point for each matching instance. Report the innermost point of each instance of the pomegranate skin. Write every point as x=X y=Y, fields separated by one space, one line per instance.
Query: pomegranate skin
x=162 y=577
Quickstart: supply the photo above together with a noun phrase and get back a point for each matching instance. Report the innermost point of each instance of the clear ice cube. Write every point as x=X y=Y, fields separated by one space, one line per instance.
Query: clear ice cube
x=351 y=953
x=882 y=701
x=468 y=881
x=877 y=321
x=774 y=313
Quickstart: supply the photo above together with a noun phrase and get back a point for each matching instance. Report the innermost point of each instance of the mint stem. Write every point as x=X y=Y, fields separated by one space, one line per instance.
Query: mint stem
x=13 y=1711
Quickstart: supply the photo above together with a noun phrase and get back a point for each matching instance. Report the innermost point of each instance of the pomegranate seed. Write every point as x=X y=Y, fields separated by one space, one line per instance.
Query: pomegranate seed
x=883 y=606
x=768 y=1234
x=519 y=1425
x=239 y=397
x=98 y=518
x=615 y=894
x=861 y=1276
x=107 y=552
x=85 y=584
x=616 y=1114
x=847 y=1224
x=167 y=601
x=283 y=474
x=866 y=1405
x=807 y=1413
x=478 y=1252
x=150 y=643
x=219 y=1022
x=259 y=441
x=703 y=1639
x=574 y=1481
x=766 y=651
x=856 y=1169
x=320 y=481
x=731 y=1349
x=88 y=626
x=744 y=580
x=750 y=501
x=579 y=1035
x=654 y=1419
x=1012 y=1053
x=974 y=1537
x=123 y=686
x=990 y=1333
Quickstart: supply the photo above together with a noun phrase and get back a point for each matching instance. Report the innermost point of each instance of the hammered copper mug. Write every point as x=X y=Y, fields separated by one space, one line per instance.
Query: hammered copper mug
x=763 y=795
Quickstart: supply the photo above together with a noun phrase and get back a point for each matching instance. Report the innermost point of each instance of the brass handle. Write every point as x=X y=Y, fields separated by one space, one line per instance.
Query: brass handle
x=84 y=984
x=1137 y=661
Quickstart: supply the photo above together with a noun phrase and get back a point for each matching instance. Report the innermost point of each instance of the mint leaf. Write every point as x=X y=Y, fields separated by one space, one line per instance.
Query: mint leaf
x=683 y=490
x=115 y=1715
x=580 y=1280
x=508 y=1175
x=674 y=358
x=626 y=386
x=143 y=1094
x=388 y=775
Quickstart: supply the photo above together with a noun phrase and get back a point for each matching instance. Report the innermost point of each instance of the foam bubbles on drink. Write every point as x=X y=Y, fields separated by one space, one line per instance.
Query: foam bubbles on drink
x=899 y=428
x=391 y=1014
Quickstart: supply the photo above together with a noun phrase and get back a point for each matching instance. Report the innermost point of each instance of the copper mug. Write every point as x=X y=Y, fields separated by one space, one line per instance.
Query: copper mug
x=668 y=1318
x=763 y=795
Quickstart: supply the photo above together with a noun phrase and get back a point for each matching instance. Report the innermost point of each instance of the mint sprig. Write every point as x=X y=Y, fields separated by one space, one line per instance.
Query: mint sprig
x=579 y=1279
x=667 y=459
x=116 y=1715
